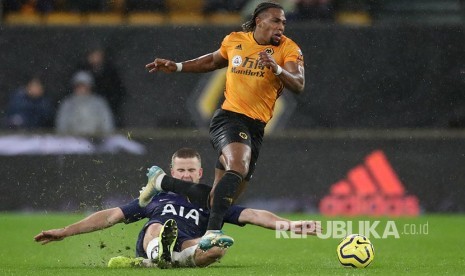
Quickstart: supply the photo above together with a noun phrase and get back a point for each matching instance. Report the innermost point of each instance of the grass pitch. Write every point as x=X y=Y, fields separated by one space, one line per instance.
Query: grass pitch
x=427 y=245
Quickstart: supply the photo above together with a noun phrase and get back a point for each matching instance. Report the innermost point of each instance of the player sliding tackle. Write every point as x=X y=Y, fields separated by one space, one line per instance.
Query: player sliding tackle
x=175 y=224
x=261 y=62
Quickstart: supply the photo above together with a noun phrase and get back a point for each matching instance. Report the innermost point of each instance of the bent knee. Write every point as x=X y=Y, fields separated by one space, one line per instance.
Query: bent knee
x=239 y=165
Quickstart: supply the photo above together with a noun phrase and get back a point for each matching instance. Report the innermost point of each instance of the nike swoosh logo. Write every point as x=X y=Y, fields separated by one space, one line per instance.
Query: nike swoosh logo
x=163 y=199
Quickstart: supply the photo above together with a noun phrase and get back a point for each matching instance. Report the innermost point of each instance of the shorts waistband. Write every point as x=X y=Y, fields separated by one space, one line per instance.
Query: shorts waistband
x=245 y=117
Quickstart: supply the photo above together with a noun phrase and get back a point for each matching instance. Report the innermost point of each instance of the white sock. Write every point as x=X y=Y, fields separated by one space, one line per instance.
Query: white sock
x=148 y=263
x=185 y=258
x=152 y=249
x=158 y=181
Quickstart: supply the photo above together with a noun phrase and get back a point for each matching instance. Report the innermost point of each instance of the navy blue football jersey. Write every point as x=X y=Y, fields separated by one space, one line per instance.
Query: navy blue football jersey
x=191 y=219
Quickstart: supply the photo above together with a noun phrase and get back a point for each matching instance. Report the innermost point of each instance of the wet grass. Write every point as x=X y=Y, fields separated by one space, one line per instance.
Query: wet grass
x=437 y=250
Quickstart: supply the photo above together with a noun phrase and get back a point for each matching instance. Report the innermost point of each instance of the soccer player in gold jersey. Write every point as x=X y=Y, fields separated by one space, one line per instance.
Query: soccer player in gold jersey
x=261 y=62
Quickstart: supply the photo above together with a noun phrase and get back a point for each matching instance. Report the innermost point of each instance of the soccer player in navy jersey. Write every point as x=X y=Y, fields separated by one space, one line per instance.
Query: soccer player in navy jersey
x=175 y=225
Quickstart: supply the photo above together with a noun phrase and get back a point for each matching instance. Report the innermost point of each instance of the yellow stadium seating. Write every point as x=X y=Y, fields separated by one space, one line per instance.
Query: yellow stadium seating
x=224 y=18
x=63 y=18
x=22 y=19
x=108 y=18
x=182 y=18
x=146 y=18
x=358 y=18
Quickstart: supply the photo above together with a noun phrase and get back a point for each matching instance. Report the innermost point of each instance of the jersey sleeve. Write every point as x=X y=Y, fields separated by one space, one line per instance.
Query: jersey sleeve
x=133 y=212
x=293 y=53
x=224 y=47
x=232 y=215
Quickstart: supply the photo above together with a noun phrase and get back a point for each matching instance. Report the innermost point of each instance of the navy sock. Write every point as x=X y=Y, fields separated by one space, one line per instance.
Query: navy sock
x=199 y=195
x=171 y=184
x=196 y=193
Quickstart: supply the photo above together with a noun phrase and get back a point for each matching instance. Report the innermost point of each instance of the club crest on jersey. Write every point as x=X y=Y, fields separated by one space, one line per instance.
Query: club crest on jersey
x=243 y=135
x=236 y=61
x=269 y=51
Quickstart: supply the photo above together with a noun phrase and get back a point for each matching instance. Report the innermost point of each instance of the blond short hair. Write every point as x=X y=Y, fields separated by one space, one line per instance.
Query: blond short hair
x=186 y=153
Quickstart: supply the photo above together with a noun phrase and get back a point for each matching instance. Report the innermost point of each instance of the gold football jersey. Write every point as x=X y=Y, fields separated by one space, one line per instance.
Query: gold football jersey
x=251 y=89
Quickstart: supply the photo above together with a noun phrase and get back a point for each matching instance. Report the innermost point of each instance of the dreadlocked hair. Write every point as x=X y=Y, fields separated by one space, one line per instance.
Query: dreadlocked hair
x=250 y=25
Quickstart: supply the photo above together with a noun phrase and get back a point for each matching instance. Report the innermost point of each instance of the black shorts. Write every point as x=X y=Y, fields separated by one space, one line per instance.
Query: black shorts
x=227 y=127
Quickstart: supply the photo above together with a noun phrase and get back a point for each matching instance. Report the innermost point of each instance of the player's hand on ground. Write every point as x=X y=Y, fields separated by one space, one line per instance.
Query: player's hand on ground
x=164 y=65
x=45 y=237
x=265 y=59
x=307 y=227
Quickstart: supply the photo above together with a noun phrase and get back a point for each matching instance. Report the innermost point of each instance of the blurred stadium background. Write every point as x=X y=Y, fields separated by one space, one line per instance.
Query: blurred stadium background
x=383 y=76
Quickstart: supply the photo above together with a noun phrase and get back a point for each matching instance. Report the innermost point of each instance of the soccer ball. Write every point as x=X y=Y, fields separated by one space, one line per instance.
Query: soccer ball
x=355 y=251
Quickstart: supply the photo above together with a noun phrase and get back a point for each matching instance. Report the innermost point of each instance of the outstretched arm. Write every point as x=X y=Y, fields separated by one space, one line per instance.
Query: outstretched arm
x=96 y=221
x=205 y=63
x=270 y=220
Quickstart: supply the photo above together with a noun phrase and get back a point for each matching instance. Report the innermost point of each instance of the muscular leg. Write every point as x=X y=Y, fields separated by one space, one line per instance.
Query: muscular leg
x=151 y=240
x=235 y=159
x=152 y=232
x=159 y=241
x=219 y=174
x=203 y=258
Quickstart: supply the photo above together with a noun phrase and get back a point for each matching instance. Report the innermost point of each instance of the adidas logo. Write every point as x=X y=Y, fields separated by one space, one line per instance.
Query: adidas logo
x=238 y=47
x=372 y=189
